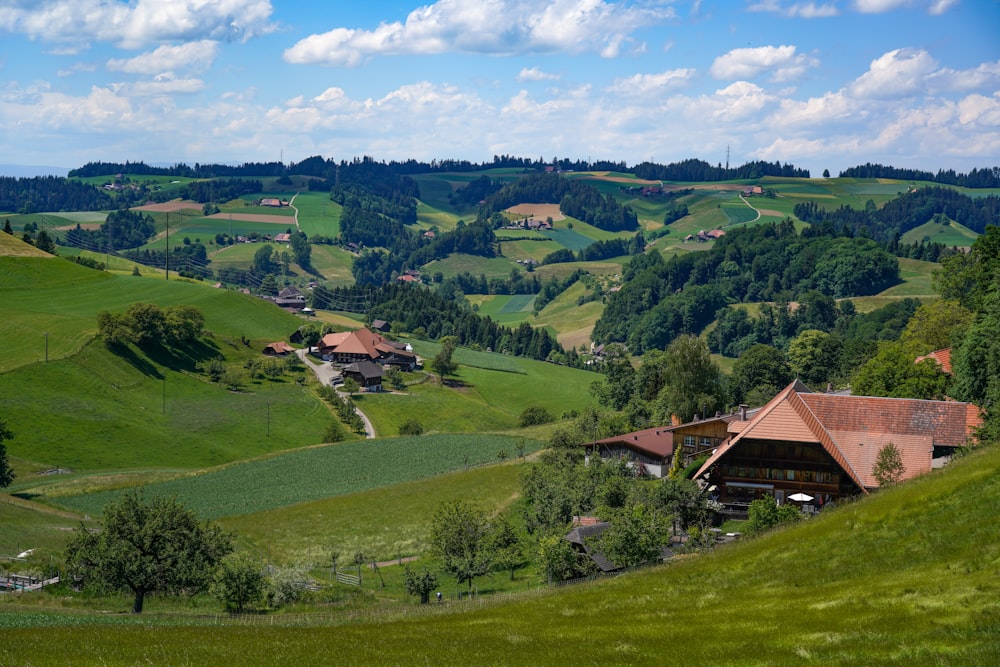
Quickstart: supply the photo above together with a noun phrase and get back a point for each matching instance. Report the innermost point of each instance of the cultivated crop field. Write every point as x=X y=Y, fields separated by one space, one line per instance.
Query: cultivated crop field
x=384 y=522
x=319 y=472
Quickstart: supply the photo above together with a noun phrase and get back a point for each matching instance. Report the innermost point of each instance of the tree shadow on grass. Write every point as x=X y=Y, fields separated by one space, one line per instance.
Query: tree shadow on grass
x=188 y=357
x=139 y=362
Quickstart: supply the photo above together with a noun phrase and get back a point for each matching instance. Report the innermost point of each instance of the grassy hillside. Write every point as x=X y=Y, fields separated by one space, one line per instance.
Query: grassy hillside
x=383 y=522
x=63 y=299
x=909 y=576
x=97 y=410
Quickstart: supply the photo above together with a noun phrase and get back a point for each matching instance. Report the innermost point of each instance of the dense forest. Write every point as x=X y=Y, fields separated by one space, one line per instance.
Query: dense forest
x=121 y=229
x=661 y=299
x=50 y=193
x=977 y=178
x=247 y=169
x=906 y=212
x=685 y=170
x=699 y=170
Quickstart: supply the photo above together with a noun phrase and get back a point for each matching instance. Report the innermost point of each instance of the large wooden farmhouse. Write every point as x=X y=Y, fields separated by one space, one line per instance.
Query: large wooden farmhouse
x=348 y=347
x=825 y=445
x=821 y=445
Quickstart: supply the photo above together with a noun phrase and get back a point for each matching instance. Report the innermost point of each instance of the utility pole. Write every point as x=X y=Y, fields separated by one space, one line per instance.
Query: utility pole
x=166 y=257
x=269 y=419
x=164 y=395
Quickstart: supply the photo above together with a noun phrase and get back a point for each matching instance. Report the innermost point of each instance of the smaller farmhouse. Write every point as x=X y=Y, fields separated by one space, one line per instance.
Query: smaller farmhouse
x=279 y=349
x=367 y=374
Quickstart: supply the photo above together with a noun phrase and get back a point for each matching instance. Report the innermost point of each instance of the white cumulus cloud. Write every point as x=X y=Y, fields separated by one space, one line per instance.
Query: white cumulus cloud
x=782 y=62
x=646 y=84
x=136 y=23
x=535 y=74
x=191 y=55
x=898 y=73
x=500 y=27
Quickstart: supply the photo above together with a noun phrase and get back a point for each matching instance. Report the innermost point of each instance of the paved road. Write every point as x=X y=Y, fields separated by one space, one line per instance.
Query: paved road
x=325 y=372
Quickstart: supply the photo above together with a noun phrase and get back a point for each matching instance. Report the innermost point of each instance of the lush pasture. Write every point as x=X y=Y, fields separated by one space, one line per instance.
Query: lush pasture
x=384 y=523
x=63 y=299
x=101 y=411
x=439 y=409
x=333 y=264
x=571 y=322
x=917 y=279
x=495 y=267
x=740 y=213
x=906 y=577
x=318 y=214
x=952 y=234
x=535 y=249
x=29 y=525
x=510 y=310
x=318 y=472
x=521 y=382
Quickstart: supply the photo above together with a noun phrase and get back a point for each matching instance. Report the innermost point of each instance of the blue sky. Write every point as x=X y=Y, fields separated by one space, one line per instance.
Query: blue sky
x=823 y=84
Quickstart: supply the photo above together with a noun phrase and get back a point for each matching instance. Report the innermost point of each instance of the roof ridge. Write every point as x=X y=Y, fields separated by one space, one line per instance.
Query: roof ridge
x=849 y=467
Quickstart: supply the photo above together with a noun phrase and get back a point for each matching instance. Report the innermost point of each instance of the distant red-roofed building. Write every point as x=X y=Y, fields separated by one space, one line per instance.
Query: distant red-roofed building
x=365 y=345
x=825 y=445
x=941 y=357
x=279 y=349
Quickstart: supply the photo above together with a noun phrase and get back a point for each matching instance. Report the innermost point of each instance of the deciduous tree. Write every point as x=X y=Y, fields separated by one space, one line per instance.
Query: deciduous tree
x=459 y=534
x=421 y=584
x=636 y=536
x=239 y=582
x=888 y=469
x=442 y=364
x=148 y=545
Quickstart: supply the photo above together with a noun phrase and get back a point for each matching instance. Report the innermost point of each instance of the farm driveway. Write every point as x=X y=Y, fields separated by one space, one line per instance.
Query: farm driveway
x=325 y=372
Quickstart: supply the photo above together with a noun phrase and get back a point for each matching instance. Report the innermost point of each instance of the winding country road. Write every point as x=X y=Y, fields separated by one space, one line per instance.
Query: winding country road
x=325 y=372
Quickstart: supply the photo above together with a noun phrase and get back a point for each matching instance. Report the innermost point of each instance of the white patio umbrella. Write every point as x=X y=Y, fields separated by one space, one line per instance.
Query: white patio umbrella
x=800 y=497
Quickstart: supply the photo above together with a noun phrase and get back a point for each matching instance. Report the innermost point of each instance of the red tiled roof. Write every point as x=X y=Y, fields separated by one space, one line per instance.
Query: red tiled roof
x=852 y=429
x=281 y=347
x=942 y=357
x=657 y=441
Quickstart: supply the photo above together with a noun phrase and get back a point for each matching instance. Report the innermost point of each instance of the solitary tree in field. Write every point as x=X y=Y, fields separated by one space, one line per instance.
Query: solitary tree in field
x=239 y=582
x=421 y=583
x=888 y=469
x=6 y=474
x=442 y=363
x=459 y=538
x=148 y=546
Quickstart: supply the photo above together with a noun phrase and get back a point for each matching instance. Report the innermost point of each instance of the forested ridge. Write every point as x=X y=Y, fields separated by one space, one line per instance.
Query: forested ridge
x=906 y=212
x=661 y=299
x=977 y=178
x=50 y=193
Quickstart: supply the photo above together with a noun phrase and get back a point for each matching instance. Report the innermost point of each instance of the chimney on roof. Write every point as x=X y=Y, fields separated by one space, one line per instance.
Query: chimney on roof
x=743 y=412
x=695 y=417
x=829 y=387
x=635 y=437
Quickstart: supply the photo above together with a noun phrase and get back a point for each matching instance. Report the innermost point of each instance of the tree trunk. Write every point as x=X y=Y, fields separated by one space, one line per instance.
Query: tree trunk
x=137 y=604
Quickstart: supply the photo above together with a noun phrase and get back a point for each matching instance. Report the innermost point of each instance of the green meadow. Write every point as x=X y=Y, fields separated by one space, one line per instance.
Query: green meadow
x=908 y=576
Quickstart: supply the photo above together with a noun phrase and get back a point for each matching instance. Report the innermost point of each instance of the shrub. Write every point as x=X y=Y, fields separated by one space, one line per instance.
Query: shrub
x=535 y=415
x=411 y=427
